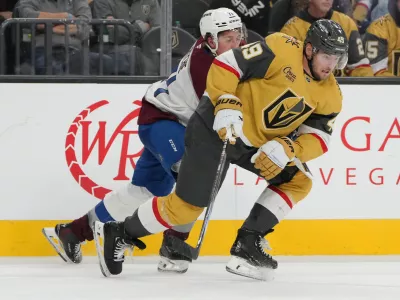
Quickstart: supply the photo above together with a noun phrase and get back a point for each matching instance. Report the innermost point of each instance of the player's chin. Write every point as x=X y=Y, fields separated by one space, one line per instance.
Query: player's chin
x=326 y=7
x=324 y=74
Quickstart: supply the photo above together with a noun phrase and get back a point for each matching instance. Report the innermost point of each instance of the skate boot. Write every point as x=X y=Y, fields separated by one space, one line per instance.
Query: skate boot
x=248 y=257
x=111 y=244
x=65 y=242
x=170 y=260
x=67 y=239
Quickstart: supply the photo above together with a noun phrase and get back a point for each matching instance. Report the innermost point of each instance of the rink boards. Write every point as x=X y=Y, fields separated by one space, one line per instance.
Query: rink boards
x=64 y=146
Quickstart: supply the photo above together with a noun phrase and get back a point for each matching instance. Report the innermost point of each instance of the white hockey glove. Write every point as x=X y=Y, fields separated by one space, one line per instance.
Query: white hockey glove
x=273 y=156
x=229 y=124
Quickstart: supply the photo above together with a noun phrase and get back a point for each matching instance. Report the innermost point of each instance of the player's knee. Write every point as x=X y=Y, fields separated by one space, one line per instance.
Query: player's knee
x=177 y=211
x=305 y=186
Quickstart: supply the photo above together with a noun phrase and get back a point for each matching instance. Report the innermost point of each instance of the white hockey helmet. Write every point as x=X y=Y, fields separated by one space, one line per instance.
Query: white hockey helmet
x=217 y=20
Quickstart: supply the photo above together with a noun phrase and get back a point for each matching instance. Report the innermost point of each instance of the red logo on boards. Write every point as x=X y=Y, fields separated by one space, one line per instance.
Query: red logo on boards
x=99 y=138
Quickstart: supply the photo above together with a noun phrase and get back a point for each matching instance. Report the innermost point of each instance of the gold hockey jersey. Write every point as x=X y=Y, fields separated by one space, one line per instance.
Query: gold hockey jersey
x=382 y=44
x=266 y=81
x=358 y=64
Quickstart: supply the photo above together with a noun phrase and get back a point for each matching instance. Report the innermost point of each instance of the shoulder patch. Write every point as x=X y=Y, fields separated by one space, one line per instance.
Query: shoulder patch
x=383 y=19
x=291 y=40
x=382 y=26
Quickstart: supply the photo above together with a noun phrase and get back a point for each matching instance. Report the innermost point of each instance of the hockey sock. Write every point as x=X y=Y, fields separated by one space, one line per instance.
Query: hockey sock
x=145 y=221
x=80 y=227
x=271 y=207
x=119 y=204
x=159 y=214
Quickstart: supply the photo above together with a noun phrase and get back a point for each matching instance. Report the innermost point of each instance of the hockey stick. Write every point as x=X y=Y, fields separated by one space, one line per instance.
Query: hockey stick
x=178 y=244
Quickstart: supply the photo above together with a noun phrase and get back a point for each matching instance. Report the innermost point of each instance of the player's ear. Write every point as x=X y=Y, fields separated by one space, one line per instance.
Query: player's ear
x=309 y=51
x=210 y=42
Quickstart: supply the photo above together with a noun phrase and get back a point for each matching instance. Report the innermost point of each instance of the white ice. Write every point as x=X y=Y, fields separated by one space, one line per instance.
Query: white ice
x=322 y=278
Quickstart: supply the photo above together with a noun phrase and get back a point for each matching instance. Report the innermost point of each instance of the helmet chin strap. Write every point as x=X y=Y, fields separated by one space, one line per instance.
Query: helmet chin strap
x=213 y=51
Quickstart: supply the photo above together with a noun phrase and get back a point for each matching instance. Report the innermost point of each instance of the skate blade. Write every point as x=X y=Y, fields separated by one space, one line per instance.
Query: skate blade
x=166 y=265
x=239 y=266
x=54 y=240
x=99 y=241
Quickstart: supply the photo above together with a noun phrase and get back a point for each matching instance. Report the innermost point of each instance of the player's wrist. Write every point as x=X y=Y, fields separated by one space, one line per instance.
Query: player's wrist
x=288 y=146
x=228 y=102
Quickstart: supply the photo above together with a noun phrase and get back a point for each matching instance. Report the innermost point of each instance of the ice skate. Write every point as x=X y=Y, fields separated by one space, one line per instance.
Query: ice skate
x=170 y=260
x=65 y=242
x=248 y=257
x=111 y=244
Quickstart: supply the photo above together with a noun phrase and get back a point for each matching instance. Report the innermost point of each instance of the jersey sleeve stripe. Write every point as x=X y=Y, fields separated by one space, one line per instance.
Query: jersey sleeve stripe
x=229 y=96
x=380 y=71
x=321 y=141
x=226 y=67
x=357 y=67
x=380 y=65
x=325 y=136
x=362 y=63
x=160 y=91
x=171 y=80
x=363 y=66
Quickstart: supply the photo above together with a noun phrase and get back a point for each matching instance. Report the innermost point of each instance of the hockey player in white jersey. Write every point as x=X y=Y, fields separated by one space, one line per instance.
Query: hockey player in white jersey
x=166 y=109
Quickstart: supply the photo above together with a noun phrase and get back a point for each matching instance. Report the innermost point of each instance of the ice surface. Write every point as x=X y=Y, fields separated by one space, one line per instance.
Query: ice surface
x=321 y=278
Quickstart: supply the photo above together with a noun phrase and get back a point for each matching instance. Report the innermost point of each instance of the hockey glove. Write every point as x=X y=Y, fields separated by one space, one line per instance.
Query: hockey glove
x=273 y=156
x=229 y=124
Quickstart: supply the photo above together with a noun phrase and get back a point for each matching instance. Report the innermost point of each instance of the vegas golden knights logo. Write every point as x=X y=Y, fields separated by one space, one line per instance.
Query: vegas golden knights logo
x=291 y=40
x=285 y=110
x=175 y=39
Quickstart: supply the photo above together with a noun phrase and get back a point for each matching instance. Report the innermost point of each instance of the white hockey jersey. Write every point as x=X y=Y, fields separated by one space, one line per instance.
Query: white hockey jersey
x=179 y=94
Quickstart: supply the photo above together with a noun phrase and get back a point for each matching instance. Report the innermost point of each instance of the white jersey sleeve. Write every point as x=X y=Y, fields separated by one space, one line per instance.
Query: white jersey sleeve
x=179 y=93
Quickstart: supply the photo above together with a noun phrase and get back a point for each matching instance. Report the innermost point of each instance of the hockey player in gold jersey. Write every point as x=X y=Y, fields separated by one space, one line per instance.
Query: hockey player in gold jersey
x=382 y=42
x=275 y=101
x=358 y=64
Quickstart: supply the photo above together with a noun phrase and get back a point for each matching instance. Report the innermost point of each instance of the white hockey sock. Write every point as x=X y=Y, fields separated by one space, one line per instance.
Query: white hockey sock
x=119 y=204
x=276 y=201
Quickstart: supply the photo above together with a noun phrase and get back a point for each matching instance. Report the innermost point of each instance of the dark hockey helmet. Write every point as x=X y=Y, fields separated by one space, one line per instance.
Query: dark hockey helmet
x=330 y=38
